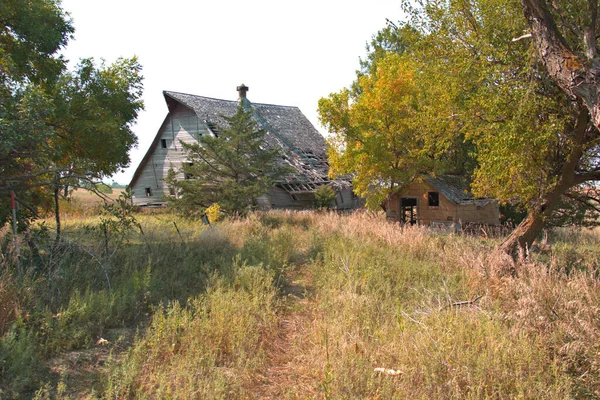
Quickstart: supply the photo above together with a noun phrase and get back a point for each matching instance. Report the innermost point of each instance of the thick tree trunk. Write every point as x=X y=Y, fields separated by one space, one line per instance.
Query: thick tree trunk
x=524 y=235
x=528 y=230
x=577 y=75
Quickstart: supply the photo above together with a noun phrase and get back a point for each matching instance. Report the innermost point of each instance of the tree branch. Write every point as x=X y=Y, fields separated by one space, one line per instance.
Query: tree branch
x=589 y=34
x=565 y=67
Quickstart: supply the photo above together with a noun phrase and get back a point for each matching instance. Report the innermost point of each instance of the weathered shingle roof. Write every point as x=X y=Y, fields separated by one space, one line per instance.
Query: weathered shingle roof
x=282 y=123
x=455 y=188
x=287 y=128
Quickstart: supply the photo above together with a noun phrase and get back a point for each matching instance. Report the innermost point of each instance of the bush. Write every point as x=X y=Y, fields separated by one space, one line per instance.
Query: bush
x=324 y=197
x=21 y=369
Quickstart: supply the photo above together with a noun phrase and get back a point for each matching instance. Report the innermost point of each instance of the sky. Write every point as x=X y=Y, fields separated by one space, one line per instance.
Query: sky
x=287 y=52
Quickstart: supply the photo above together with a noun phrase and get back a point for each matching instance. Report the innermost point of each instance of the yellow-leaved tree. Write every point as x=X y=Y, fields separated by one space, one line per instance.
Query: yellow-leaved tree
x=376 y=135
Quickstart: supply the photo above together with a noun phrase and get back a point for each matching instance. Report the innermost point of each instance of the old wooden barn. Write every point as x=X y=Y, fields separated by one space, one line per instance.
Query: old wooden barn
x=440 y=200
x=192 y=116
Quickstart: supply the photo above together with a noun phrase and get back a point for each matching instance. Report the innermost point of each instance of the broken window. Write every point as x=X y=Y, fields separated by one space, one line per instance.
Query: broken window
x=148 y=192
x=433 y=199
x=187 y=174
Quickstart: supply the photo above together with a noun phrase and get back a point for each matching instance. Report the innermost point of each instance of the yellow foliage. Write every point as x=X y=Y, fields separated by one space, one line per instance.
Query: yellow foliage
x=213 y=213
x=377 y=134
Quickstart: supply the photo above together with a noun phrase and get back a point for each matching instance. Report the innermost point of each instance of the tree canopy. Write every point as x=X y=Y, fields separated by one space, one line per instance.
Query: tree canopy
x=58 y=127
x=231 y=168
x=487 y=103
x=379 y=134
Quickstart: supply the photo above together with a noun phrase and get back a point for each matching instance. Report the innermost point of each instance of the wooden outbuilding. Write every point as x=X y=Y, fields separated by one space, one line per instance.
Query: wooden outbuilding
x=437 y=201
x=190 y=117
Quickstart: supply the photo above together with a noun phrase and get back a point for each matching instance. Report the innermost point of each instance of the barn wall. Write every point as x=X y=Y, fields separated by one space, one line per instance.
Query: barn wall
x=181 y=125
x=345 y=199
x=282 y=199
x=445 y=212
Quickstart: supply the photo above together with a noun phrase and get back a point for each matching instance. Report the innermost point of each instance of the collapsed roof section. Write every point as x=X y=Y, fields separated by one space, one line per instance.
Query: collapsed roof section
x=303 y=147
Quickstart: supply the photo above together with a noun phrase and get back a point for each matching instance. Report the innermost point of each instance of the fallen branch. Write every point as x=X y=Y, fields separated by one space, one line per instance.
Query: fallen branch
x=465 y=303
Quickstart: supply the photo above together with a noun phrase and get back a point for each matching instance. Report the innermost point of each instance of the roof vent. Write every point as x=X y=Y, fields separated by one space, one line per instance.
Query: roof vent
x=242 y=89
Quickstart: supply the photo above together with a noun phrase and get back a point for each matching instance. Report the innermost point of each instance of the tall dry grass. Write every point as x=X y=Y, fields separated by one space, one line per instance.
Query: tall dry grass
x=449 y=319
x=389 y=311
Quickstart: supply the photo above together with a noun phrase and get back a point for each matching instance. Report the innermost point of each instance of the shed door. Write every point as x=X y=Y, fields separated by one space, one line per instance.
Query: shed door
x=408 y=210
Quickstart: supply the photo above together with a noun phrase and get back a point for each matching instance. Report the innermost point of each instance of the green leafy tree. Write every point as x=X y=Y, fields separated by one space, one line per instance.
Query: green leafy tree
x=59 y=127
x=377 y=134
x=231 y=169
x=489 y=94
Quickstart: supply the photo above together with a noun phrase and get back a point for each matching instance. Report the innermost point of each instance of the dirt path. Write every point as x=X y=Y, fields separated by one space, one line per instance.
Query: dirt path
x=288 y=374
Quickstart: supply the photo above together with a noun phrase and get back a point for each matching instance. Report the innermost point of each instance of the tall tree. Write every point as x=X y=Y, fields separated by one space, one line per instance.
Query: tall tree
x=377 y=135
x=232 y=168
x=58 y=127
x=534 y=145
x=566 y=37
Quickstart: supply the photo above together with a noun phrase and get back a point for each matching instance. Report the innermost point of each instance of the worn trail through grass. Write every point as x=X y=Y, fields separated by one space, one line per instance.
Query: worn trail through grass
x=287 y=369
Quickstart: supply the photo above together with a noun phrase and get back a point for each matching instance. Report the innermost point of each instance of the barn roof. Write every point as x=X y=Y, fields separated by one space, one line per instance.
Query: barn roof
x=286 y=127
x=284 y=123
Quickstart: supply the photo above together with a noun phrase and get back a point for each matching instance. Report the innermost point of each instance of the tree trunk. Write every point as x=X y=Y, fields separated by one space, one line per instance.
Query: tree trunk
x=523 y=236
x=57 y=215
x=576 y=75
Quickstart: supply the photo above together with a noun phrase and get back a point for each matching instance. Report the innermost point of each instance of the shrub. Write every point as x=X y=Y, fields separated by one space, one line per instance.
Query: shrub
x=324 y=196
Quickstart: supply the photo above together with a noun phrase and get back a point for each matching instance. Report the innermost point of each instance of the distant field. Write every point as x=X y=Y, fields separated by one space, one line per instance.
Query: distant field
x=86 y=198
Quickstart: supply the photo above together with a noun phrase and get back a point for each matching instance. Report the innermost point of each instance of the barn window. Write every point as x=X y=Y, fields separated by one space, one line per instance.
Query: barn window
x=433 y=199
x=188 y=175
x=163 y=143
x=148 y=192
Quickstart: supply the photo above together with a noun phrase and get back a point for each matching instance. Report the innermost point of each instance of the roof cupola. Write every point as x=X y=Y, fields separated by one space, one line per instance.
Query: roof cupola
x=242 y=90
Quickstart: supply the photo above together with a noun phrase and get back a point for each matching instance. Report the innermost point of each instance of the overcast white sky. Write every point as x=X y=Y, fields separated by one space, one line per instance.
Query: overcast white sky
x=287 y=52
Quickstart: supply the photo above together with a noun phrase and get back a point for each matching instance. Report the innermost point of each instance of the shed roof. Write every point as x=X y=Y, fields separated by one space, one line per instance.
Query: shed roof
x=455 y=188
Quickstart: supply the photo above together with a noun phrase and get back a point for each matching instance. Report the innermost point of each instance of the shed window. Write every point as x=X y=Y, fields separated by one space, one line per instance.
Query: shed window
x=148 y=192
x=163 y=143
x=433 y=199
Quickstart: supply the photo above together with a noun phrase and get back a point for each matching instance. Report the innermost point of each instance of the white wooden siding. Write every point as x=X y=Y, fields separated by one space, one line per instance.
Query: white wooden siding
x=182 y=126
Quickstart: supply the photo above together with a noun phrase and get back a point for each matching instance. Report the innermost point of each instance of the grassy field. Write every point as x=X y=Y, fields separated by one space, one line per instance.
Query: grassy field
x=289 y=305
